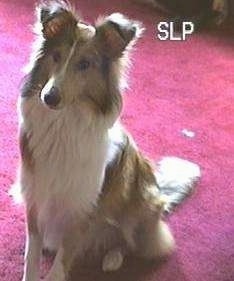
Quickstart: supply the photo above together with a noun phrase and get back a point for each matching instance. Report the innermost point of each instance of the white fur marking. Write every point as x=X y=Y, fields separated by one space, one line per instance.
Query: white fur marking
x=52 y=81
x=47 y=88
x=69 y=165
x=116 y=138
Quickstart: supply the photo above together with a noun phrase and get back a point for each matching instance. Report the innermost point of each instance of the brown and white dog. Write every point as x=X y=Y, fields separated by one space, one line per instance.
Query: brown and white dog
x=84 y=182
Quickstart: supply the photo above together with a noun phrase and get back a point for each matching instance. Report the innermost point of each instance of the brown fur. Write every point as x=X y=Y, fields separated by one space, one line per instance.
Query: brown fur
x=32 y=220
x=26 y=153
x=126 y=189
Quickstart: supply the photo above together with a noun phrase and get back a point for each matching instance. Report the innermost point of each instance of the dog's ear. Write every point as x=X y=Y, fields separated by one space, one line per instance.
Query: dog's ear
x=116 y=32
x=53 y=17
x=47 y=9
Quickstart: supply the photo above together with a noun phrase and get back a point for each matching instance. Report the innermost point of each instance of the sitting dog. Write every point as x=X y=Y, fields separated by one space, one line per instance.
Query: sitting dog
x=84 y=182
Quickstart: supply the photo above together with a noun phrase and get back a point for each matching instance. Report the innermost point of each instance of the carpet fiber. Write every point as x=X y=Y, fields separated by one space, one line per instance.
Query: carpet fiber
x=173 y=86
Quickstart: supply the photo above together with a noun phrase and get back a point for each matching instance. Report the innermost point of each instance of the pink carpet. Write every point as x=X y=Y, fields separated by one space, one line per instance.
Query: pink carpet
x=174 y=86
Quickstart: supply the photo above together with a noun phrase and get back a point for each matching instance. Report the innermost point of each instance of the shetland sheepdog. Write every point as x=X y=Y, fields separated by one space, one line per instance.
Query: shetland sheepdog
x=85 y=184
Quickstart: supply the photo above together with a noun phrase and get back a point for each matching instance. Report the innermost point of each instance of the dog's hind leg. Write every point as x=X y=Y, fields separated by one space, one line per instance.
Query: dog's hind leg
x=113 y=260
x=155 y=239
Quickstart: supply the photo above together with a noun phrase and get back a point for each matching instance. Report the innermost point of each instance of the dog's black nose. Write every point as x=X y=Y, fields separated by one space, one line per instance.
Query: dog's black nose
x=52 y=98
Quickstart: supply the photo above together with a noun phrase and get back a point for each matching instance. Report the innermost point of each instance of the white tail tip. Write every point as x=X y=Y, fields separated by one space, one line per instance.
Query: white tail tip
x=176 y=178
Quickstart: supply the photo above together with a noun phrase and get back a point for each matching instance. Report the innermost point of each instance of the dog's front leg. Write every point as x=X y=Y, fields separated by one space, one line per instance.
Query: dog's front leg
x=32 y=249
x=58 y=270
x=62 y=264
x=67 y=252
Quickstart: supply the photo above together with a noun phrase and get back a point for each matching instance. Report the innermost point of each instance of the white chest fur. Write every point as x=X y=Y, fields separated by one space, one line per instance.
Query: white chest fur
x=69 y=154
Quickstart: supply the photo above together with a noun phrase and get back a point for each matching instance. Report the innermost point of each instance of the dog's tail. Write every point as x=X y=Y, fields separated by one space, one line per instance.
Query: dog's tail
x=176 y=179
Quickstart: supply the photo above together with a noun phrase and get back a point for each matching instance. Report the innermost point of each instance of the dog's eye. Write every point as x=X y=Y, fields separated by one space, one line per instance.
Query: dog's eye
x=82 y=65
x=56 y=56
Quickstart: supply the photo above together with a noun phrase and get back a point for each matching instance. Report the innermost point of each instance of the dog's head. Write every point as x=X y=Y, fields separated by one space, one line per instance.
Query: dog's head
x=78 y=63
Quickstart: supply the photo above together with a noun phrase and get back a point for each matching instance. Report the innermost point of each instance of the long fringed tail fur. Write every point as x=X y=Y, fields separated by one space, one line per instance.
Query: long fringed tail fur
x=176 y=179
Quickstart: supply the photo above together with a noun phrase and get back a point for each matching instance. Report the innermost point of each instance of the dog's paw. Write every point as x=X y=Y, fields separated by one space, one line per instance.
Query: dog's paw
x=55 y=277
x=56 y=273
x=112 y=260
